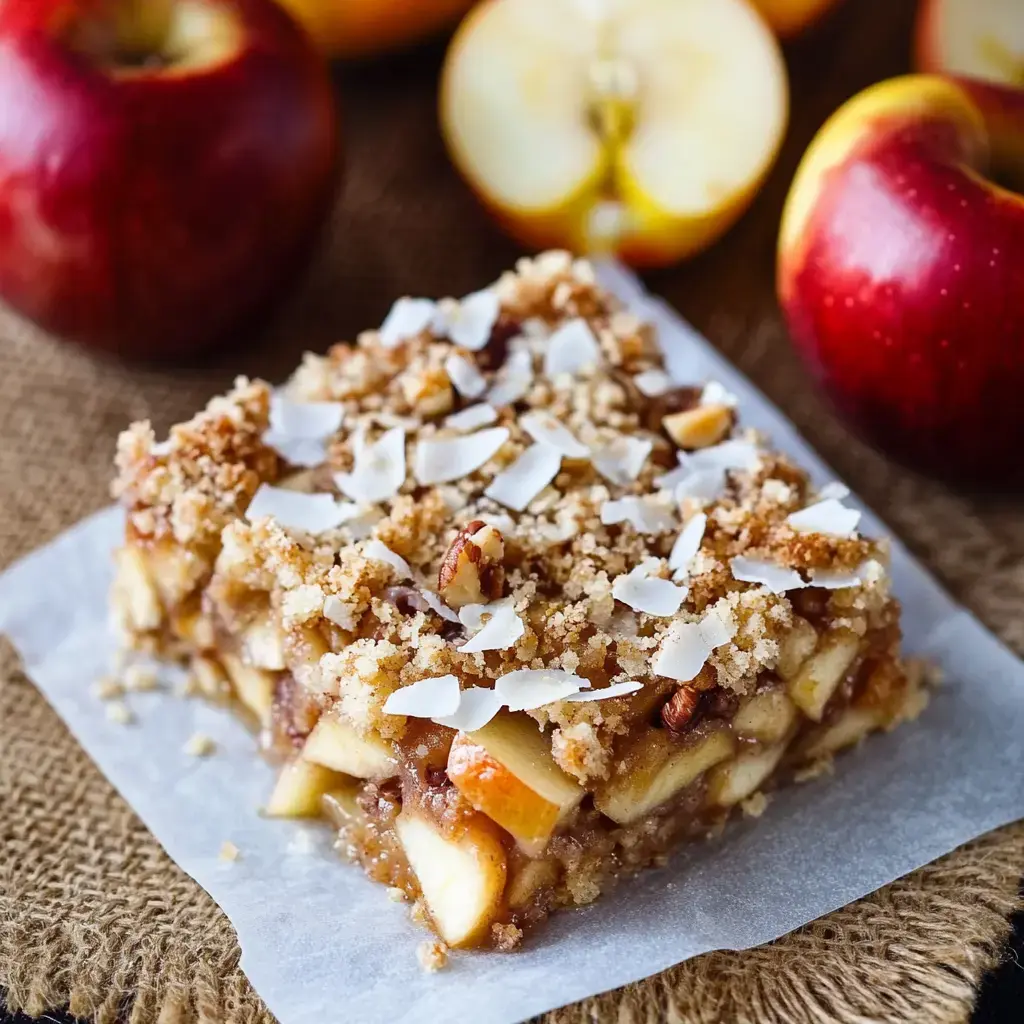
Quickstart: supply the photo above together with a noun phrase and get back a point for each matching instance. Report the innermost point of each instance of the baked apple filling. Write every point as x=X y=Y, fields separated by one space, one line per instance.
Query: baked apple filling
x=512 y=611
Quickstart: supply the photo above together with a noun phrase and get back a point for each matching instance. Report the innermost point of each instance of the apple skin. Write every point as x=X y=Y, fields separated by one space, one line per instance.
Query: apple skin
x=150 y=213
x=790 y=18
x=901 y=273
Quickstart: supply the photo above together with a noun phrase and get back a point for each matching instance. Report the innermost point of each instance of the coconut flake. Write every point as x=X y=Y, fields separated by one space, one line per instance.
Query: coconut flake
x=516 y=486
x=526 y=689
x=465 y=377
x=477 y=706
x=378 y=471
x=299 y=431
x=729 y=455
x=716 y=631
x=716 y=394
x=704 y=485
x=338 y=612
x=615 y=690
x=441 y=460
x=426 y=698
x=644 y=514
x=775 y=577
x=470 y=321
x=622 y=459
x=835 y=580
x=161 y=448
x=571 y=349
x=499 y=633
x=513 y=380
x=471 y=417
x=407 y=318
x=644 y=593
x=828 y=516
x=380 y=552
x=546 y=429
x=687 y=545
x=834 y=490
x=313 y=513
x=682 y=653
x=653 y=383
x=437 y=605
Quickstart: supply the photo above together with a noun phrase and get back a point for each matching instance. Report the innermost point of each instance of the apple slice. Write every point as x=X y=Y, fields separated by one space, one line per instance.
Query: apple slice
x=766 y=716
x=340 y=806
x=462 y=878
x=656 y=768
x=819 y=676
x=851 y=727
x=733 y=781
x=254 y=687
x=533 y=875
x=336 y=745
x=980 y=38
x=299 y=790
x=263 y=643
x=506 y=771
x=642 y=129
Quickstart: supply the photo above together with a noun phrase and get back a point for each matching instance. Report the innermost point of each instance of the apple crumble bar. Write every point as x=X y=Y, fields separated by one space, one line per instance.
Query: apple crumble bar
x=514 y=611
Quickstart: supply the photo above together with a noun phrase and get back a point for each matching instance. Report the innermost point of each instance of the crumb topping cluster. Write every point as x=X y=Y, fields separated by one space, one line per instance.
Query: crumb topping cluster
x=502 y=502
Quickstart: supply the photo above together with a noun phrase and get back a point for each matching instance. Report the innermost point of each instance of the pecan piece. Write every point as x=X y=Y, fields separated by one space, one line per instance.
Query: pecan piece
x=675 y=401
x=472 y=570
x=680 y=709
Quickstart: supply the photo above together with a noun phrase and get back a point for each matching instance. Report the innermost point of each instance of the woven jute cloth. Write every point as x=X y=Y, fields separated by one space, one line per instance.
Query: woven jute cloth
x=95 y=916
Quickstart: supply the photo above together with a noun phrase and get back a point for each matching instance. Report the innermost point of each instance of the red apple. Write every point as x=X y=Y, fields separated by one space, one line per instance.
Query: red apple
x=980 y=38
x=901 y=271
x=164 y=166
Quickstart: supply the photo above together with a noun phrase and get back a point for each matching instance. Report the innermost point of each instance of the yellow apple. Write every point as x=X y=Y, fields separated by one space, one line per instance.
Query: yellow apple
x=506 y=771
x=336 y=745
x=462 y=878
x=641 y=128
x=820 y=675
x=299 y=790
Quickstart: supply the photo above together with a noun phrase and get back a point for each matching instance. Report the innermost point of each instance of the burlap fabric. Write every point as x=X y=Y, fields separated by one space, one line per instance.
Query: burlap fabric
x=93 y=913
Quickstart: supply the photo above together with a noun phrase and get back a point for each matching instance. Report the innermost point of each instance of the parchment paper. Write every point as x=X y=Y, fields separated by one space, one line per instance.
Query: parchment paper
x=320 y=942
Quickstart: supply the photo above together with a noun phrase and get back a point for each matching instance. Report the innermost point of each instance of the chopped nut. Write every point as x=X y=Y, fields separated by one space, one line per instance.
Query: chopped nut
x=107 y=688
x=119 y=713
x=429 y=393
x=433 y=956
x=506 y=936
x=700 y=427
x=228 y=851
x=680 y=709
x=140 y=679
x=472 y=571
x=200 y=745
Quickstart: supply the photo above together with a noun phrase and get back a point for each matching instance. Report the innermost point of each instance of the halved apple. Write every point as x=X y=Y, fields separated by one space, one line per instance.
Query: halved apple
x=819 y=676
x=299 y=790
x=462 y=879
x=656 y=767
x=254 y=687
x=735 y=780
x=336 y=745
x=506 y=771
x=766 y=716
x=641 y=129
x=980 y=38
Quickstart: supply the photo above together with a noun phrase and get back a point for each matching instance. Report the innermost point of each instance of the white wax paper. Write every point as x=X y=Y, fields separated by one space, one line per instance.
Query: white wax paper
x=320 y=942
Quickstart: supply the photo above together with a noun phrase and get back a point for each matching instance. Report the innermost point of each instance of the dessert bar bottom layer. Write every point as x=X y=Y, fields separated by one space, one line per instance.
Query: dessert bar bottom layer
x=416 y=821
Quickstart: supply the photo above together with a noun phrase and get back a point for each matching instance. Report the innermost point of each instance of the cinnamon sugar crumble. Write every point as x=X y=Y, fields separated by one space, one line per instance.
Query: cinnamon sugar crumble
x=601 y=470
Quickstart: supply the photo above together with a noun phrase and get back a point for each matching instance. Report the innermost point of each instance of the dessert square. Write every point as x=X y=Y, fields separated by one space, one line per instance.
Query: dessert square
x=515 y=612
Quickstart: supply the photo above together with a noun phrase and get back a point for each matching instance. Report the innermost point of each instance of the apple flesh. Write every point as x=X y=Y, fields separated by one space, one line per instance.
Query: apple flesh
x=164 y=166
x=980 y=38
x=640 y=129
x=901 y=272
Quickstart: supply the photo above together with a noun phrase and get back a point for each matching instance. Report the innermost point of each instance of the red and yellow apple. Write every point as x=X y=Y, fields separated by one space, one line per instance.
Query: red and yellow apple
x=164 y=166
x=901 y=271
x=980 y=38
x=365 y=28
x=642 y=129
x=789 y=18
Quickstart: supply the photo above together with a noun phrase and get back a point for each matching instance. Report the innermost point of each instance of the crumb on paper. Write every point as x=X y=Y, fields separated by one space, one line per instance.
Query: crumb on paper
x=107 y=688
x=119 y=713
x=396 y=895
x=200 y=745
x=433 y=956
x=814 y=770
x=229 y=852
x=140 y=679
x=506 y=936
x=754 y=806
x=301 y=844
x=191 y=687
x=418 y=914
